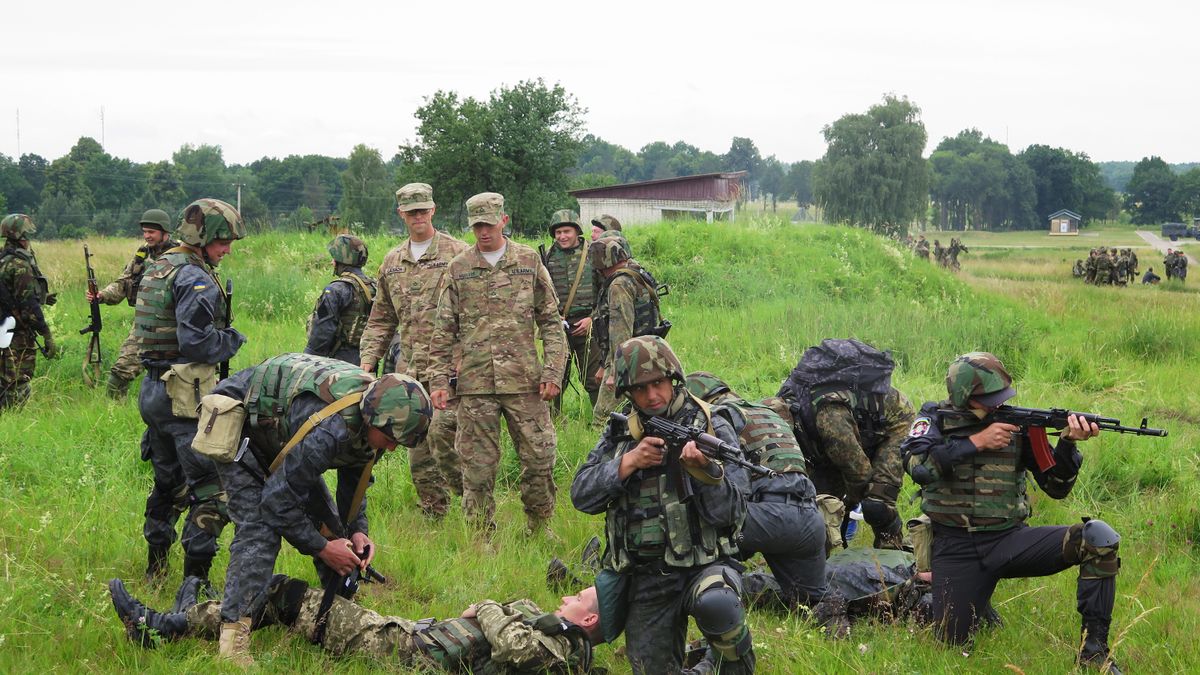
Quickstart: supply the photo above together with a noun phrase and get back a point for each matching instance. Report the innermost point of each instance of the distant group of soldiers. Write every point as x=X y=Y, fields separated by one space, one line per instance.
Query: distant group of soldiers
x=1176 y=264
x=461 y=324
x=944 y=256
x=1107 y=267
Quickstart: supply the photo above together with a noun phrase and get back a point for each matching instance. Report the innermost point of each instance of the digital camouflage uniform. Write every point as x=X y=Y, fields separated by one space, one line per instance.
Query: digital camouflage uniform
x=23 y=292
x=337 y=322
x=293 y=501
x=491 y=315
x=978 y=504
x=180 y=319
x=564 y=267
x=626 y=307
x=673 y=557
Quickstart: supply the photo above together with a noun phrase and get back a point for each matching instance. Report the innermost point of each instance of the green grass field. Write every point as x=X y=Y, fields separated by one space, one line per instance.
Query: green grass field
x=746 y=300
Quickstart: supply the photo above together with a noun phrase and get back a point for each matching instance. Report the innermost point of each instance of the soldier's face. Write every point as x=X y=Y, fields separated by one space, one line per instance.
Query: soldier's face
x=582 y=609
x=379 y=440
x=218 y=249
x=652 y=397
x=419 y=222
x=596 y=232
x=489 y=237
x=566 y=236
x=153 y=236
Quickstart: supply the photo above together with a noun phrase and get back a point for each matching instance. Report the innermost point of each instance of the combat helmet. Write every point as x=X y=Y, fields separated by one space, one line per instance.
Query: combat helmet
x=706 y=386
x=348 y=249
x=644 y=359
x=157 y=219
x=564 y=217
x=17 y=226
x=605 y=252
x=979 y=376
x=206 y=220
x=399 y=407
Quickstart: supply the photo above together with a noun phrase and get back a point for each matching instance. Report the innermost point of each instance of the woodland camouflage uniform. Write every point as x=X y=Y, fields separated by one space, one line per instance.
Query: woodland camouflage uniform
x=493 y=314
x=625 y=308
x=24 y=293
x=405 y=308
x=337 y=322
x=565 y=266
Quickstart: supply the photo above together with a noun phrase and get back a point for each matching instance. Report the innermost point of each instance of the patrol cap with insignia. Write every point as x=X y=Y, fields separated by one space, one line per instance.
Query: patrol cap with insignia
x=485 y=207
x=414 y=196
x=607 y=222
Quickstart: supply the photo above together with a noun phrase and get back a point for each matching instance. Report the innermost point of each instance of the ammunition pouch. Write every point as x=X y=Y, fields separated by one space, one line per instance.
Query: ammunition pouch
x=920 y=530
x=219 y=427
x=833 y=512
x=187 y=383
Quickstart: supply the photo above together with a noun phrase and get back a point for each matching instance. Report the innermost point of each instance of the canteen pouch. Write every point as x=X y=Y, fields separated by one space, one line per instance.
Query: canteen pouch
x=219 y=428
x=920 y=529
x=833 y=512
x=187 y=383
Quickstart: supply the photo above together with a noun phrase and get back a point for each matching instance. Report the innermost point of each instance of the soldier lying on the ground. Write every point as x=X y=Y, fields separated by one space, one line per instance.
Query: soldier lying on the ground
x=488 y=637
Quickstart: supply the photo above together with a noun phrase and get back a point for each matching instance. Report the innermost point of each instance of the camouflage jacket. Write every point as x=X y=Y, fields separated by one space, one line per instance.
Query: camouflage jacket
x=615 y=312
x=845 y=445
x=493 y=314
x=563 y=264
x=125 y=287
x=406 y=303
x=25 y=288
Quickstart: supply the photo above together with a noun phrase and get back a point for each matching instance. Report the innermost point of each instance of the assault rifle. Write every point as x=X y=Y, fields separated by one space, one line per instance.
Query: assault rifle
x=223 y=369
x=344 y=586
x=1034 y=422
x=93 y=361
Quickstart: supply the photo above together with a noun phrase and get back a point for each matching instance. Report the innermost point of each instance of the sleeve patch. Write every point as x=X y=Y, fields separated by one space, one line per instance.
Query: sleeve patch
x=199 y=287
x=920 y=427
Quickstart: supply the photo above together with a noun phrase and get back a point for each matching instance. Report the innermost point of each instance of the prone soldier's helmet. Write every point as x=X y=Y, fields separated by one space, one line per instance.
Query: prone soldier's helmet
x=644 y=359
x=348 y=250
x=605 y=252
x=564 y=217
x=206 y=220
x=399 y=407
x=979 y=376
x=157 y=219
x=17 y=226
x=706 y=386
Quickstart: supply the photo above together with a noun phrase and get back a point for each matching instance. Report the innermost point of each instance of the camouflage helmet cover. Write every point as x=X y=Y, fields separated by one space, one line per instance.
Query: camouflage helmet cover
x=348 y=250
x=605 y=252
x=607 y=223
x=156 y=219
x=979 y=376
x=17 y=226
x=706 y=386
x=564 y=217
x=206 y=220
x=398 y=406
x=644 y=359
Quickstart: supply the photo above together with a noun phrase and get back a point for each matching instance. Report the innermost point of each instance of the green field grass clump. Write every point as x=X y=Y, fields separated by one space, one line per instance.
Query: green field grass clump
x=746 y=299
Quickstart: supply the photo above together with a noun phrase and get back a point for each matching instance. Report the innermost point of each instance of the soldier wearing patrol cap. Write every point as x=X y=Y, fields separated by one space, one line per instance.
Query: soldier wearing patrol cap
x=575 y=286
x=496 y=297
x=23 y=292
x=972 y=476
x=337 y=323
x=179 y=322
x=155 y=224
x=403 y=313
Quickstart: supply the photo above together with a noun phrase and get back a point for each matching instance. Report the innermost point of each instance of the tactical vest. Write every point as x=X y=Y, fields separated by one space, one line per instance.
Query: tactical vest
x=984 y=492
x=137 y=267
x=645 y=309
x=562 y=265
x=276 y=381
x=768 y=440
x=154 y=321
x=649 y=523
x=458 y=645
x=869 y=417
x=353 y=318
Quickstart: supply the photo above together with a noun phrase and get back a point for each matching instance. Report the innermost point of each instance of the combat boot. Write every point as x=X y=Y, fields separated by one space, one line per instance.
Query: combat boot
x=560 y=578
x=537 y=526
x=1094 y=654
x=188 y=594
x=235 y=642
x=143 y=625
x=590 y=557
x=117 y=387
x=157 y=564
x=892 y=537
x=832 y=613
x=196 y=567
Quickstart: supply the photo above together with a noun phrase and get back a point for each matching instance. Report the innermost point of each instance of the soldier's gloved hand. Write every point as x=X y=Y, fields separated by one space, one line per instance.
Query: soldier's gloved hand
x=52 y=351
x=51 y=299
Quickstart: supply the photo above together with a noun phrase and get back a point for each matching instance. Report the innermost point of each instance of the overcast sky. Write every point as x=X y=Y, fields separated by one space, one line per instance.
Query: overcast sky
x=1117 y=80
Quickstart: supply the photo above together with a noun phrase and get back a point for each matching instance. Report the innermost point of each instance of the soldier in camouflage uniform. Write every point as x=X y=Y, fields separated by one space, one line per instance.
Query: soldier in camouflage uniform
x=1089 y=267
x=1104 y=268
x=495 y=298
x=669 y=553
x=179 y=322
x=972 y=476
x=409 y=281
x=154 y=224
x=328 y=414
x=567 y=262
x=627 y=307
x=604 y=223
x=23 y=291
x=342 y=309
x=922 y=248
x=489 y=637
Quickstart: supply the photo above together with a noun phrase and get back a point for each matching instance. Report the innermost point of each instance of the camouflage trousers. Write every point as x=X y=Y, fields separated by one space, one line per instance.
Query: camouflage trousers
x=170 y=436
x=128 y=364
x=434 y=462
x=16 y=370
x=478 y=443
x=584 y=360
x=607 y=402
x=659 y=606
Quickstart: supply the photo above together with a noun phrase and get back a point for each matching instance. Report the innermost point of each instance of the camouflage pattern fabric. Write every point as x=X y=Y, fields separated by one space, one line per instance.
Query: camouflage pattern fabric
x=206 y=220
x=169 y=497
x=17 y=226
x=564 y=217
x=336 y=325
x=128 y=364
x=858 y=471
x=435 y=464
x=349 y=250
x=563 y=265
x=633 y=361
x=16 y=370
x=414 y=196
x=485 y=207
x=24 y=283
x=975 y=374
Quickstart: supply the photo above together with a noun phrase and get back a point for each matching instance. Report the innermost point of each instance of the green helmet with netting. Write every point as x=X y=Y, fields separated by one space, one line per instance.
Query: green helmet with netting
x=706 y=386
x=979 y=376
x=565 y=217
x=157 y=219
x=17 y=226
x=645 y=359
x=348 y=250
x=399 y=407
x=205 y=220
x=606 y=252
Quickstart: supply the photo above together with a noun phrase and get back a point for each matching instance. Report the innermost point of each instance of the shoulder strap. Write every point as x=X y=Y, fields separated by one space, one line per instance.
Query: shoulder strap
x=575 y=284
x=367 y=290
x=313 y=420
x=633 y=274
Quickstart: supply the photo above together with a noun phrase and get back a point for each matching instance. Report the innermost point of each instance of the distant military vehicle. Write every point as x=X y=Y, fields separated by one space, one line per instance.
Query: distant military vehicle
x=1174 y=231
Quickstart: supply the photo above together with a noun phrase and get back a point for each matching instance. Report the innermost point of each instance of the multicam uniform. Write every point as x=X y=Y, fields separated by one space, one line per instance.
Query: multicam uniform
x=25 y=287
x=490 y=315
x=125 y=287
x=406 y=307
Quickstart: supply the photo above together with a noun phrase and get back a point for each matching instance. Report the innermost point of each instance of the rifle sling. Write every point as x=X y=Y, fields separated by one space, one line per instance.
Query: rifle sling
x=575 y=284
x=310 y=423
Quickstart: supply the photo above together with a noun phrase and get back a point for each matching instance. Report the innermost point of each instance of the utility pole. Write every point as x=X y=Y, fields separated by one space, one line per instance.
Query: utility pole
x=18 y=133
x=239 y=195
x=101 y=127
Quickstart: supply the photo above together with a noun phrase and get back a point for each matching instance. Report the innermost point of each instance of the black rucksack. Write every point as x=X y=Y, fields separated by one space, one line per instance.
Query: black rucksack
x=837 y=365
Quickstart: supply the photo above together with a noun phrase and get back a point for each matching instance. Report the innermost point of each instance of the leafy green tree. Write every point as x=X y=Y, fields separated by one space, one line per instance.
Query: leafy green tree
x=366 y=191
x=202 y=169
x=743 y=155
x=164 y=187
x=798 y=183
x=873 y=174
x=65 y=177
x=33 y=169
x=977 y=182
x=1148 y=195
x=19 y=196
x=771 y=180
x=1067 y=180
x=598 y=156
x=1185 y=198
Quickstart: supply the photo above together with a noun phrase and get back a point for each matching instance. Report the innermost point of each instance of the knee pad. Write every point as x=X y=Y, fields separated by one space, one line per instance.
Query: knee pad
x=1092 y=545
x=877 y=513
x=718 y=610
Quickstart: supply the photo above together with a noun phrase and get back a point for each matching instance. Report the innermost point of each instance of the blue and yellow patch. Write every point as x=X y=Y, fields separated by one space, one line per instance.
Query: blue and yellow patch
x=199 y=287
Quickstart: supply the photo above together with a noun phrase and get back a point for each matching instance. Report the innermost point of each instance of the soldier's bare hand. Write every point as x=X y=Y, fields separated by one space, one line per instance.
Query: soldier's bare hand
x=1079 y=429
x=548 y=390
x=648 y=453
x=440 y=398
x=691 y=456
x=90 y=296
x=996 y=436
x=470 y=612
x=361 y=541
x=583 y=327
x=599 y=376
x=338 y=555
